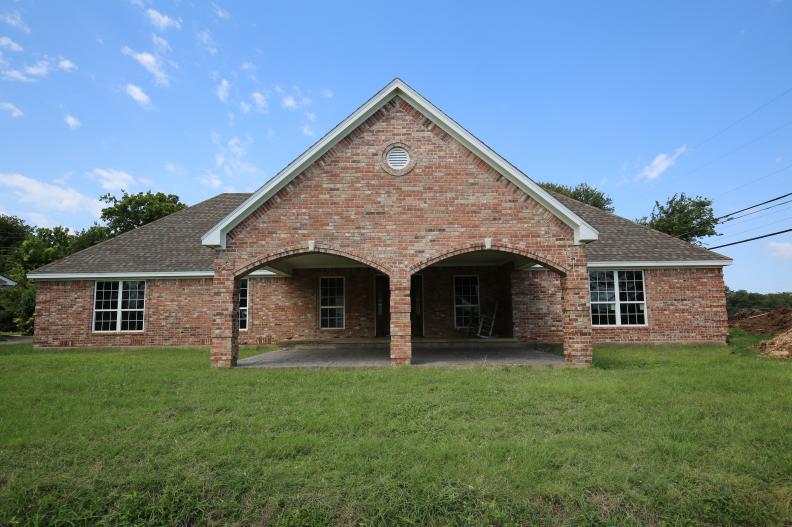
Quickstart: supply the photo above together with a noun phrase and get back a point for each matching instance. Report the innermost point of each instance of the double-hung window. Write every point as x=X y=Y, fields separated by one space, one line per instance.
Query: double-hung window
x=243 y=304
x=119 y=305
x=617 y=298
x=466 y=301
x=331 y=302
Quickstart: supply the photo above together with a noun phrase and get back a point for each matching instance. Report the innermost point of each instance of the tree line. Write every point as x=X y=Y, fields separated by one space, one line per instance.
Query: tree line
x=24 y=247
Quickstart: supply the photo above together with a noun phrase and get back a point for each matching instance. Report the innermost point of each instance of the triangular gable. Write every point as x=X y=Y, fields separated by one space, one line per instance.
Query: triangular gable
x=216 y=237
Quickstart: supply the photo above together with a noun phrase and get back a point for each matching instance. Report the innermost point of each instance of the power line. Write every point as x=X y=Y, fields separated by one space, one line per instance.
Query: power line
x=737 y=149
x=754 y=206
x=743 y=118
x=750 y=239
x=762 y=226
x=759 y=216
x=773 y=173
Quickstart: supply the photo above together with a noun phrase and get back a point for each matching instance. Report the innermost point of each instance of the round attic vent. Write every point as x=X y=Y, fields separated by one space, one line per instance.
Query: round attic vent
x=397 y=158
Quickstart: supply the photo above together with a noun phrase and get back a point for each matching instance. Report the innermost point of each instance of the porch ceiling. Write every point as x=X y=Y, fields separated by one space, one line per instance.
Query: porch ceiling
x=486 y=258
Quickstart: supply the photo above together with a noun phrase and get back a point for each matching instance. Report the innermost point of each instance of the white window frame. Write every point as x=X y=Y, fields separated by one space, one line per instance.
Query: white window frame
x=118 y=309
x=246 y=309
x=454 y=299
x=342 y=306
x=617 y=300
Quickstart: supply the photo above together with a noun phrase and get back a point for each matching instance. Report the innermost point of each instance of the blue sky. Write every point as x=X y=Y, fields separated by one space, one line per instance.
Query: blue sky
x=199 y=98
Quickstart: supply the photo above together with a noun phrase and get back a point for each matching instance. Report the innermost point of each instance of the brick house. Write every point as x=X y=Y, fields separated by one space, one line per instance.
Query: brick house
x=398 y=224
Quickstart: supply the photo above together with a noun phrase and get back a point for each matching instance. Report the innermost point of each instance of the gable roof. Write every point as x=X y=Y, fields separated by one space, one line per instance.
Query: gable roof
x=216 y=236
x=171 y=246
x=6 y=282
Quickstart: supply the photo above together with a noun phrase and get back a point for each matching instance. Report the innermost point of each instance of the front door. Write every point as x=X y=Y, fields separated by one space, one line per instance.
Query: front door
x=416 y=305
x=382 y=305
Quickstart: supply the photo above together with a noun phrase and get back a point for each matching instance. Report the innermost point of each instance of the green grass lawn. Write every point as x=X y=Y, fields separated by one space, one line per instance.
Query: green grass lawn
x=668 y=436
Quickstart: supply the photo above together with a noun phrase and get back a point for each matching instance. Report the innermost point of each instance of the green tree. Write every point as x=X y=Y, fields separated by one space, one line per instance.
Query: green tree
x=130 y=211
x=88 y=237
x=13 y=232
x=582 y=192
x=684 y=217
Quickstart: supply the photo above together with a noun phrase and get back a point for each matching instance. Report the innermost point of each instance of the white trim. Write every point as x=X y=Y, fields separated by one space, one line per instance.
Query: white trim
x=118 y=309
x=648 y=264
x=6 y=282
x=133 y=276
x=216 y=237
x=319 y=304
x=618 y=302
x=478 y=297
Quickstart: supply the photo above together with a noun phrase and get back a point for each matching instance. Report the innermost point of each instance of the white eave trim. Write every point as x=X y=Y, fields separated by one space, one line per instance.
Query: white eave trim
x=132 y=276
x=649 y=264
x=216 y=237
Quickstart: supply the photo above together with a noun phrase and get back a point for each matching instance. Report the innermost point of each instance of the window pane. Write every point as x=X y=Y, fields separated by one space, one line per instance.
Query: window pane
x=631 y=287
x=243 y=319
x=603 y=314
x=133 y=294
x=331 y=303
x=331 y=317
x=632 y=314
x=106 y=295
x=105 y=320
x=602 y=286
x=466 y=301
x=132 y=321
x=243 y=303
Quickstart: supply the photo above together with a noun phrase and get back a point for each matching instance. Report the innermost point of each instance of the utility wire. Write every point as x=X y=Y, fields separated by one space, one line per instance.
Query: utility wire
x=773 y=173
x=762 y=226
x=742 y=220
x=750 y=239
x=737 y=149
x=754 y=206
x=743 y=118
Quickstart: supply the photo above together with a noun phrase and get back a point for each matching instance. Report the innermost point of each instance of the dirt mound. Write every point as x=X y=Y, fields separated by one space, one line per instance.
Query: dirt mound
x=779 y=347
x=760 y=321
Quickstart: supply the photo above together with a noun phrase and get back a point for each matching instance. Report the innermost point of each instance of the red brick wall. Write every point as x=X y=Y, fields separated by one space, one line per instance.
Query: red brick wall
x=683 y=305
x=178 y=313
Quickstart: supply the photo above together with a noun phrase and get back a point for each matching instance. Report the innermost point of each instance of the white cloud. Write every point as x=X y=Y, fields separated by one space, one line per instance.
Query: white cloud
x=307 y=130
x=150 y=62
x=230 y=156
x=160 y=43
x=211 y=180
x=48 y=196
x=12 y=109
x=205 y=38
x=15 y=20
x=248 y=66
x=220 y=12
x=162 y=21
x=138 y=95
x=311 y=116
x=10 y=45
x=72 y=121
x=176 y=169
x=222 y=90
x=260 y=101
x=660 y=164
x=39 y=69
x=16 y=75
x=327 y=93
x=289 y=102
x=782 y=249
x=66 y=65
x=244 y=107
x=112 y=179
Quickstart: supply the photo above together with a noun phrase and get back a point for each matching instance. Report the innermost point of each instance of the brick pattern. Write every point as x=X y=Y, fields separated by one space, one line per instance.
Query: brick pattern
x=449 y=203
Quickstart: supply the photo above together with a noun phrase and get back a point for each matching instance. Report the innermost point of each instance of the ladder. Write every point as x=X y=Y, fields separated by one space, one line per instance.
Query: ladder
x=487 y=324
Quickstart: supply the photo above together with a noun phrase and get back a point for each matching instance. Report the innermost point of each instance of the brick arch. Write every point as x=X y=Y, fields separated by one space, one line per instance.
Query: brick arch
x=262 y=260
x=504 y=248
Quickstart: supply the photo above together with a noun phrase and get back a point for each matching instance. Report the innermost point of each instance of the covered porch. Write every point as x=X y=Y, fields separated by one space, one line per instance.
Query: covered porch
x=375 y=352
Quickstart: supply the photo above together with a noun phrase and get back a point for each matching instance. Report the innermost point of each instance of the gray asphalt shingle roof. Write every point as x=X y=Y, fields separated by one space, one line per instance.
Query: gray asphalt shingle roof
x=173 y=243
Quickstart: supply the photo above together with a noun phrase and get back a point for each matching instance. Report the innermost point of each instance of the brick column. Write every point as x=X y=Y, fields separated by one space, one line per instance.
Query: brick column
x=576 y=311
x=400 y=326
x=225 y=331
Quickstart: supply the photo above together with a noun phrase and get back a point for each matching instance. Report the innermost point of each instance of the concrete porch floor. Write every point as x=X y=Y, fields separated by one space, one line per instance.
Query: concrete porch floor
x=368 y=353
